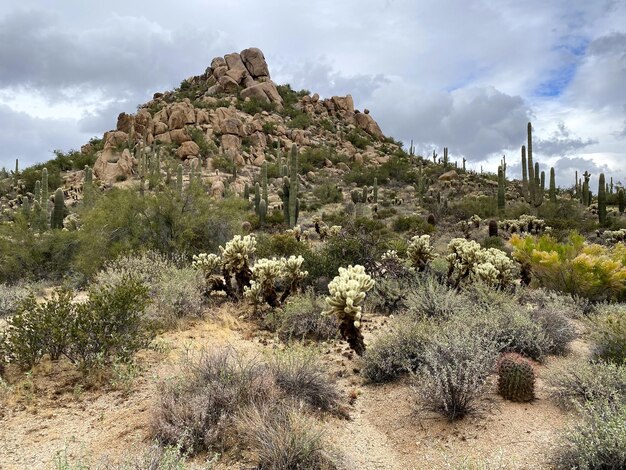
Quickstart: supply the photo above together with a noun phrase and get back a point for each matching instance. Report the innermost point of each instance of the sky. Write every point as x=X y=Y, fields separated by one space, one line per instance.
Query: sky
x=467 y=75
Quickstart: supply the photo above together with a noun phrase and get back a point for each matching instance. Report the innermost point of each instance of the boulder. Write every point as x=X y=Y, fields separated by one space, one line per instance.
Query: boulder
x=163 y=138
x=238 y=75
x=159 y=128
x=143 y=123
x=218 y=62
x=265 y=91
x=254 y=60
x=258 y=139
x=188 y=149
x=114 y=139
x=343 y=103
x=231 y=142
x=449 y=176
x=367 y=123
x=179 y=136
x=217 y=189
x=110 y=166
x=228 y=84
x=233 y=61
x=181 y=114
x=125 y=123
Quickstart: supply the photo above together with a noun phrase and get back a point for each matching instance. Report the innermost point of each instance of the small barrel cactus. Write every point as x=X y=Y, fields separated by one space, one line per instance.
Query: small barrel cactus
x=493 y=228
x=516 y=378
x=347 y=293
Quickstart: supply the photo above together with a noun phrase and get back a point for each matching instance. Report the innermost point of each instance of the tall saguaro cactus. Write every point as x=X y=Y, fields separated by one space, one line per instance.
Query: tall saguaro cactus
x=59 y=208
x=44 y=189
x=501 y=189
x=293 y=189
x=264 y=184
x=531 y=167
x=602 y=200
x=524 y=173
x=621 y=201
x=552 y=190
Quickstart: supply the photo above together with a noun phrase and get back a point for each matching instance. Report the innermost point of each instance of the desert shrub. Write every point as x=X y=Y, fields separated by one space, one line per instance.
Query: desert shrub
x=38 y=329
x=109 y=325
x=359 y=139
x=154 y=458
x=11 y=297
x=299 y=374
x=597 y=440
x=493 y=242
x=197 y=411
x=301 y=318
x=300 y=120
x=396 y=352
x=412 y=223
x=428 y=298
x=175 y=291
x=609 y=336
x=469 y=263
x=279 y=244
x=557 y=328
x=224 y=163
x=388 y=296
x=586 y=382
x=279 y=437
x=255 y=105
x=328 y=193
x=574 y=267
x=453 y=376
x=482 y=206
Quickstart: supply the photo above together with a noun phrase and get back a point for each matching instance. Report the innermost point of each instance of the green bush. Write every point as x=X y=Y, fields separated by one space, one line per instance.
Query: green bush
x=328 y=193
x=597 y=440
x=11 y=297
x=300 y=120
x=359 y=139
x=584 y=382
x=456 y=363
x=397 y=352
x=428 y=298
x=413 y=224
x=109 y=326
x=280 y=245
x=255 y=105
x=224 y=163
x=301 y=318
x=39 y=329
x=609 y=336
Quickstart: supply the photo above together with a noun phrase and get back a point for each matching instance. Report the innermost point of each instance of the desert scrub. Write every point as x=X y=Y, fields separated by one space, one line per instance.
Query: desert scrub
x=175 y=291
x=301 y=318
x=397 y=352
x=11 y=296
x=198 y=410
x=575 y=267
x=608 y=333
x=586 y=382
x=597 y=441
x=280 y=437
x=453 y=377
x=428 y=298
x=347 y=293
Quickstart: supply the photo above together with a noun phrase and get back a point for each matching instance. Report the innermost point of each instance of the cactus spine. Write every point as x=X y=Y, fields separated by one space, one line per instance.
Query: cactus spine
x=293 y=189
x=552 y=186
x=531 y=168
x=501 y=189
x=602 y=200
x=516 y=379
x=59 y=208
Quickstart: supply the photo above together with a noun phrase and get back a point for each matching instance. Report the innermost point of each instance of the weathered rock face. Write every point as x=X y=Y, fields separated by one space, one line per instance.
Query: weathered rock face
x=449 y=176
x=188 y=149
x=367 y=123
x=254 y=61
x=265 y=91
x=111 y=167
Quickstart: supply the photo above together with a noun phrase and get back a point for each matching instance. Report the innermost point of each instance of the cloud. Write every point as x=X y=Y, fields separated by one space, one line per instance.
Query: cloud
x=561 y=142
x=30 y=139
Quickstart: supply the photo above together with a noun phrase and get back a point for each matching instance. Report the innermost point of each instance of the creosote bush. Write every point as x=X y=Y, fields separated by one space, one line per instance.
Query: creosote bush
x=609 y=335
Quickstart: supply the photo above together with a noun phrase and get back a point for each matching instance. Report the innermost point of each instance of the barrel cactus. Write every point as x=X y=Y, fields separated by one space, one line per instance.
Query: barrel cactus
x=420 y=252
x=516 y=379
x=347 y=293
x=493 y=228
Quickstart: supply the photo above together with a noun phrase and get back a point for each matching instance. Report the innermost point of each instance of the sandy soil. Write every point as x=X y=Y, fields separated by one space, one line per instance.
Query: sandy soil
x=51 y=411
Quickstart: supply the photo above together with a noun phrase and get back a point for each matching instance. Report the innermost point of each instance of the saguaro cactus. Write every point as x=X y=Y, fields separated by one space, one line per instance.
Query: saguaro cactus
x=501 y=189
x=257 y=197
x=59 y=209
x=293 y=189
x=44 y=189
x=375 y=191
x=621 y=201
x=262 y=211
x=602 y=200
x=38 y=191
x=264 y=183
x=552 y=186
x=531 y=168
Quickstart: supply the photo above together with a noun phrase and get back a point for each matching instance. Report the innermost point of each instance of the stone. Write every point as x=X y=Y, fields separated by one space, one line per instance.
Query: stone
x=218 y=62
x=160 y=128
x=188 y=149
x=180 y=115
x=254 y=60
x=163 y=138
x=125 y=123
x=220 y=72
x=367 y=123
x=111 y=167
x=449 y=176
x=238 y=75
x=265 y=91
x=143 y=123
x=228 y=84
x=202 y=116
x=259 y=160
x=258 y=139
x=343 y=103
x=179 y=136
x=233 y=61
x=231 y=142
x=114 y=139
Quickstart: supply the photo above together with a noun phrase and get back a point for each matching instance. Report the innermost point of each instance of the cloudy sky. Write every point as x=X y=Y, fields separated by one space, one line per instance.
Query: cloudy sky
x=463 y=74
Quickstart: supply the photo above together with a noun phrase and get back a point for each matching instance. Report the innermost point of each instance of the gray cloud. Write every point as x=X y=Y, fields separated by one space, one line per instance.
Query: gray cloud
x=561 y=142
x=30 y=139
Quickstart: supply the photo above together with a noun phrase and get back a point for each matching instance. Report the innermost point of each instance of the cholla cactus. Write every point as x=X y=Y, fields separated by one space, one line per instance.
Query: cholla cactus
x=347 y=293
x=209 y=264
x=263 y=286
x=293 y=274
x=334 y=230
x=476 y=220
x=236 y=258
x=420 y=252
x=467 y=260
